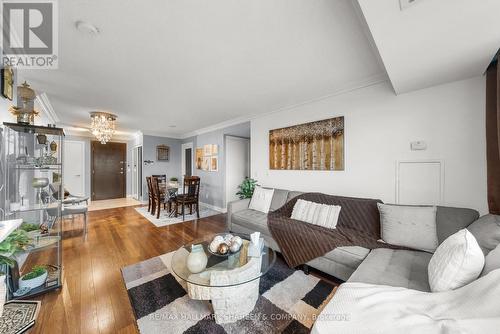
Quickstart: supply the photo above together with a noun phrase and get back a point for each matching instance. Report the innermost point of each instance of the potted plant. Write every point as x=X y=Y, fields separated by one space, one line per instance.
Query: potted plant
x=246 y=188
x=17 y=241
x=174 y=181
x=33 y=279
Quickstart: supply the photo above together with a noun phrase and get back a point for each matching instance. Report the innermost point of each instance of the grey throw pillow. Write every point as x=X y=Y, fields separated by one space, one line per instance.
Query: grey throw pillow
x=486 y=230
x=409 y=226
x=491 y=261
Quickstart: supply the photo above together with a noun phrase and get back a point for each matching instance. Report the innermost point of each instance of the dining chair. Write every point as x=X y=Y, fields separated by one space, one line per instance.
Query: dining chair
x=158 y=197
x=150 y=196
x=190 y=196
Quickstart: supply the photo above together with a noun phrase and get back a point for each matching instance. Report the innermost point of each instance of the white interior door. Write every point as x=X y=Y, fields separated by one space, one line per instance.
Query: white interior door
x=74 y=167
x=237 y=164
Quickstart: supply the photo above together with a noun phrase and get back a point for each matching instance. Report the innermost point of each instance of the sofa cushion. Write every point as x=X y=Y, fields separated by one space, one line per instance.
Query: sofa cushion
x=401 y=268
x=487 y=232
x=293 y=194
x=279 y=199
x=458 y=261
x=451 y=220
x=261 y=199
x=409 y=226
x=491 y=261
x=251 y=219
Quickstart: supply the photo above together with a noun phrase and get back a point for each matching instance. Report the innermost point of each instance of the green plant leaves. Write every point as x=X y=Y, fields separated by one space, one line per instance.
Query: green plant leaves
x=246 y=188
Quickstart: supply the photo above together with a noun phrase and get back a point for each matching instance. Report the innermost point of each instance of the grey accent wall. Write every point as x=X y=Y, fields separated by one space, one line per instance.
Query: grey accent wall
x=171 y=168
x=213 y=184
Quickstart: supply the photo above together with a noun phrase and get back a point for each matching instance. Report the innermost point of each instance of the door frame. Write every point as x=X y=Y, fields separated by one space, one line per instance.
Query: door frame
x=84 y=170
x=183 y=159
x=124 y=163
x=227 y=162
x=139 y=182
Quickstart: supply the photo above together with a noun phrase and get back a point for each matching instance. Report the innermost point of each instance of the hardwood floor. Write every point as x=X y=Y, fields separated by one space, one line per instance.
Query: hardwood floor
x=93 y=298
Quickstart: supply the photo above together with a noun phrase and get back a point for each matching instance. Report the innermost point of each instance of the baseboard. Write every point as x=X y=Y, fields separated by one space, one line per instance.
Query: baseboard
x=213 y=207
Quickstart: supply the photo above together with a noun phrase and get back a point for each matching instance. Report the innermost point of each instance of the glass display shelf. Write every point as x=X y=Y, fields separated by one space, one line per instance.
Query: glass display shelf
x=32 y=162
x=35 y=207
x=41 y=168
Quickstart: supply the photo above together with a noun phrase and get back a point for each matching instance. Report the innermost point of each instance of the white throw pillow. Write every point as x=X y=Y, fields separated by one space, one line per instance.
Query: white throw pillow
x=261 y=199
x=409 y=226
x=316 y=213
x=491 y=261
x=457 y=261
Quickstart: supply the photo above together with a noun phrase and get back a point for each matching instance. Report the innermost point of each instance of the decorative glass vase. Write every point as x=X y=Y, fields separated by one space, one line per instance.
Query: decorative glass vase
x=197 y=259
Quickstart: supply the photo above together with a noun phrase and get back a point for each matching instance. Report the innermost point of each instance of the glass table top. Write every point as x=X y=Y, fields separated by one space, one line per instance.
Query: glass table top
x=223 y=271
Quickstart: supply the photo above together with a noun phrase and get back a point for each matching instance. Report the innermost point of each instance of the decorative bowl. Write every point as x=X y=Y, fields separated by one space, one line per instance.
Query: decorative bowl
x=40 y=182
x=225 y=240
x=34 y=282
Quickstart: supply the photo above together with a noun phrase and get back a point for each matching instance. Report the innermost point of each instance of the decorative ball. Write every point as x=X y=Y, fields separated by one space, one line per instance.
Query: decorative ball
x=223 y=249
x=235 y=247
x=218 y=238
x=236 y=240
x=227 y=238
x=214 y=246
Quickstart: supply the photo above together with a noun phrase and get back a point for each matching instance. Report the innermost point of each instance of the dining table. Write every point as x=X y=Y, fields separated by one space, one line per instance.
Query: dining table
x=169 y=191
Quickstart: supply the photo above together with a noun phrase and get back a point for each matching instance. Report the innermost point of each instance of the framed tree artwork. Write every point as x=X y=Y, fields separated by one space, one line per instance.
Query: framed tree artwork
x=311 y=146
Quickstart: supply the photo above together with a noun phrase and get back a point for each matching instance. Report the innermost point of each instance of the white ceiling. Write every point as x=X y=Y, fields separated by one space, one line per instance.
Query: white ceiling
x=194 y=63
x=433 y=41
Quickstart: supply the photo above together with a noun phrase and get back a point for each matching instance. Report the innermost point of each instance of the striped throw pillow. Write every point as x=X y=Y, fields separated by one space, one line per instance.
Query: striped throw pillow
x=316 y=213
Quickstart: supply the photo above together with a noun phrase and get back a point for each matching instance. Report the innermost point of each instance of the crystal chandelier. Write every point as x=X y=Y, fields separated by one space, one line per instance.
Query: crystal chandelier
x=102 y=125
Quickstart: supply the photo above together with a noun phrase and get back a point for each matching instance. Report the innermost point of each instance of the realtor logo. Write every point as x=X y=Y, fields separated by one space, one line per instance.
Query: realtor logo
x=29 y=34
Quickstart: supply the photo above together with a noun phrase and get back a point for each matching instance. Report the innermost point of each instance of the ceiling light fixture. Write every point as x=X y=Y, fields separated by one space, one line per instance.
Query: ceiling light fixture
x=87 y=28
x=102 y=125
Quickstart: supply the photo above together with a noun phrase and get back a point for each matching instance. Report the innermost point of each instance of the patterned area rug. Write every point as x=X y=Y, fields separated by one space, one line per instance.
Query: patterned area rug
x=289 y=301
x=166 y=220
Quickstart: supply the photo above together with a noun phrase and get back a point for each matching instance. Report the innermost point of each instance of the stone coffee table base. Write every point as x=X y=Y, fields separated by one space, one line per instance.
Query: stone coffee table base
x=234 y=301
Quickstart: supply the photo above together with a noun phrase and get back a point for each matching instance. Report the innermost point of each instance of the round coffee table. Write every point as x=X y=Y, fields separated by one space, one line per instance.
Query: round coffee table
x=231 y=283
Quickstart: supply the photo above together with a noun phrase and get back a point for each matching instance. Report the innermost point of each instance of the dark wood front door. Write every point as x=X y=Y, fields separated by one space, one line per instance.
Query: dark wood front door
x=108 y=170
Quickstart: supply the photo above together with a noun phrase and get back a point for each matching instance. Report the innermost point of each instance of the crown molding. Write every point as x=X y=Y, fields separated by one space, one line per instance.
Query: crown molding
x=47 y=108
x=367 y=82
x=162 y=134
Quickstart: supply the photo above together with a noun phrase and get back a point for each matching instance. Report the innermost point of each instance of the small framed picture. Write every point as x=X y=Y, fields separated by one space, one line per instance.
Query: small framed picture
x=199 y=158
x=7 y=78
x=207 y=150
x=214 y=164
x=206 y=164
x=162 y=153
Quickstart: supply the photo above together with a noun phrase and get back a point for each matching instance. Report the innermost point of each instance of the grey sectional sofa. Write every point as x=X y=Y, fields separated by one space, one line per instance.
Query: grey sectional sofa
x=357 y=264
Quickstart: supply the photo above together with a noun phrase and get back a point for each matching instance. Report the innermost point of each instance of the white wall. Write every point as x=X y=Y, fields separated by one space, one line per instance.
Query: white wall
x=379 y=127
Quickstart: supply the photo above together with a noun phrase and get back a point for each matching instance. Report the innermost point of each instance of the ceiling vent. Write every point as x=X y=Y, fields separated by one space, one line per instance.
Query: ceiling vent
x=405 y=4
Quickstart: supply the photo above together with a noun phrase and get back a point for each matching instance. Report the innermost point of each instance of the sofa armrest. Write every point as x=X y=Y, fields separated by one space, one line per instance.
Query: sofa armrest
x=236 y=206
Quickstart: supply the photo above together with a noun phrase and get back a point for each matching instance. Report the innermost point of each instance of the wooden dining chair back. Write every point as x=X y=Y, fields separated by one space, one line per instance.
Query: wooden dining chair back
x=150 y=195
x=192 y=186
x=158 y=197
x=190 y=195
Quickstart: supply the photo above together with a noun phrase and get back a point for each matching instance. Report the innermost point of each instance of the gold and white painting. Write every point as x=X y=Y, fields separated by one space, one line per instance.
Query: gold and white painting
x=206 y=164
x=310 y=146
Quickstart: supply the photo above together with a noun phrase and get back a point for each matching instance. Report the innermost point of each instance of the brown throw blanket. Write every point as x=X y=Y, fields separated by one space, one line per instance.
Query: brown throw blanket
x=301 y=242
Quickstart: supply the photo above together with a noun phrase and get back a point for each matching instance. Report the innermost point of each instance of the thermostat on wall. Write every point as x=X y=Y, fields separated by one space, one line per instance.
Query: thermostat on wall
x=418 y=145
